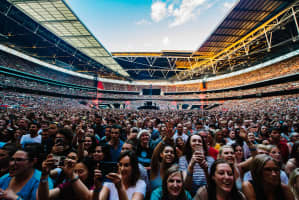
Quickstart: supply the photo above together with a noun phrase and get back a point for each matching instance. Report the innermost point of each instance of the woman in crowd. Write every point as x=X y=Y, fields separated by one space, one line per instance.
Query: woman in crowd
x=89 y=145
x=231 y=137
x=172 y=186
x=195 y=163
x=221 y=184
x=75 y=186
x=6 y=152
x=180 y=146
x=293 y=162
x=294 y=183
x=227 y=153
x=22 y=180
x=239 y=154
x=266 y=183
x=163 y=157
x=125 y=185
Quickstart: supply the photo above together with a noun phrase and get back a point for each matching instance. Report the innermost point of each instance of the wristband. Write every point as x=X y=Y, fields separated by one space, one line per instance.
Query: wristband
x=19 y=198
x=75 y=179
x=44 y=180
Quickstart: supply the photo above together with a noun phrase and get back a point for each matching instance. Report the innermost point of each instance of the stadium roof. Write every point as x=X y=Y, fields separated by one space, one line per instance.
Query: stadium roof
x=253 y=31
x=56 y=16
x=153 y=65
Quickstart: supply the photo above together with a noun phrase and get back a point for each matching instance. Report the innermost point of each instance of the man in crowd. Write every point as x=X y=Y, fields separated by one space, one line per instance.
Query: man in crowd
x=33 y=136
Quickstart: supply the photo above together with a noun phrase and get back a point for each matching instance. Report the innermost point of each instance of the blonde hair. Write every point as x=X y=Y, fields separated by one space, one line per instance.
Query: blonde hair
x=292 y=182
x=219 y=156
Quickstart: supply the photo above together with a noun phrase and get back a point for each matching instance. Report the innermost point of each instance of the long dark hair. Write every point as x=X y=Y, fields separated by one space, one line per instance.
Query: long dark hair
x=165 y=194
x=88 y=164
x=234 y=194
x=93 y=143
x=294 y=152
x=188 y=148
x=257 y=167
x=134 y=164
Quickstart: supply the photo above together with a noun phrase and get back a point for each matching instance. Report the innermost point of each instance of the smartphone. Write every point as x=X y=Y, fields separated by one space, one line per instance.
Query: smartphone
x=108 y=167
x=59 y=160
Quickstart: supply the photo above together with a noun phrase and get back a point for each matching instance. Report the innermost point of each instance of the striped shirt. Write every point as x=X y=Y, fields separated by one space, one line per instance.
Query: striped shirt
x=198 y=178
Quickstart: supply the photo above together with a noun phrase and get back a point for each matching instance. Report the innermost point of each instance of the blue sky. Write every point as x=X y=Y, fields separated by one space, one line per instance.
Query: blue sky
x=151 y=25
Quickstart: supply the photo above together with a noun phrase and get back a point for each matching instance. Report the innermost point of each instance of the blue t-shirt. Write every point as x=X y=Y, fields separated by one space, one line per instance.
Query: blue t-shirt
x=115 y=152
x=157 y=194
x=28 y=192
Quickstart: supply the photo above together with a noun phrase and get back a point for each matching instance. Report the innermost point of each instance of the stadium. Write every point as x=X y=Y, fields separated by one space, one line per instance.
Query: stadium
x=55 y=73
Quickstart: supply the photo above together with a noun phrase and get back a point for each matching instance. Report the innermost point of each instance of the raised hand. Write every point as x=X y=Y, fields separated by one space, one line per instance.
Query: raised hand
x=48 y=164
x=68 y=168
x=8 y=194
x=243 y=134
x=98 y=181
x=115 y=178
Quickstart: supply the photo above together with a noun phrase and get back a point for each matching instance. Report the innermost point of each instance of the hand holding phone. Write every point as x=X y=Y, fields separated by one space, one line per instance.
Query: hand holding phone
x=108 y=167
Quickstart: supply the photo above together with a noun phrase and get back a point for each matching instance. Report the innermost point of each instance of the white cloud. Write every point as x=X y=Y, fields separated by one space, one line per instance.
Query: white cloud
x=159 y=11
x=186 y=11
x=142 y=22
x=228 y=5
x=165 y=41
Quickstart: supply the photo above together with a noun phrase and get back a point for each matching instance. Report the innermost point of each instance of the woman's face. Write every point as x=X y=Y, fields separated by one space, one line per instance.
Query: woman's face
x=228 y=155
x=271 y=174
x=251 y=137
x=98 y=154
x=196 y=142
x=167 y=154
x=81 y=170
x=275 y=153
x=180 y=142
x=144 y=138
x=19 y=163
x=87 y=142
x=71 y=159
x=124 y=167
x=239 y=152
x=174 y=184
x=18 y=134
x=224 y=177
x=232 y=135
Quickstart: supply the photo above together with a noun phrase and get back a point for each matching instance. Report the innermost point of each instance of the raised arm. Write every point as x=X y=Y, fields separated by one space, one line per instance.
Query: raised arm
x=78 y=186
x=245 y=165
x=43 y=192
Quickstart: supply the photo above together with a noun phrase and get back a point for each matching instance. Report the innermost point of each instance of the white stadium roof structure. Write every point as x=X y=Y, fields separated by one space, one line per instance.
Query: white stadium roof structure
x=57 y=17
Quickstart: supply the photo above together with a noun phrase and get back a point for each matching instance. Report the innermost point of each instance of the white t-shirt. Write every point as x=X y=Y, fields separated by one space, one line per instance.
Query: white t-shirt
x=27 y=139
x=139 y=187
x=183 y=136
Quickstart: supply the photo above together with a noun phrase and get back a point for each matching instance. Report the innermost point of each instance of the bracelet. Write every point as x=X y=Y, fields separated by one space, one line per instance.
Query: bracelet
x=44 y=180
x=74 y=179
x=188 y=173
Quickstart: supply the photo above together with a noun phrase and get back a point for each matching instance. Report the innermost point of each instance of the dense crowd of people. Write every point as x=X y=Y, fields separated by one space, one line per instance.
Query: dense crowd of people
x=55 y=148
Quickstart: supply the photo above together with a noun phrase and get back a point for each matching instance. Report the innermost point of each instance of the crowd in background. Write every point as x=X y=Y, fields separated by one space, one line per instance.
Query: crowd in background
x=55 y=148
x=286 y=67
